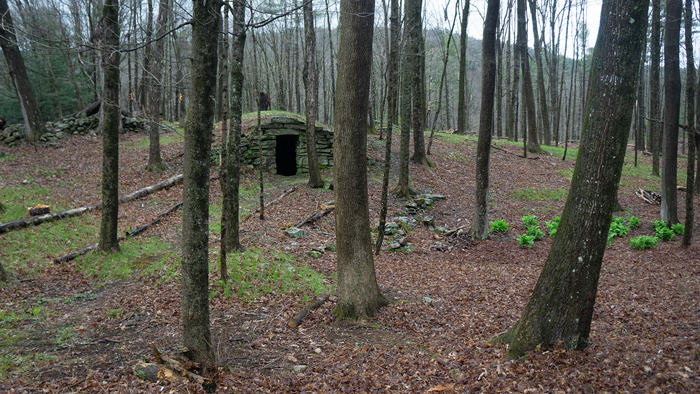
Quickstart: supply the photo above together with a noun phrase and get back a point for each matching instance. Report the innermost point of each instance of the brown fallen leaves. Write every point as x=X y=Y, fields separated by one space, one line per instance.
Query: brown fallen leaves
x=433 y=338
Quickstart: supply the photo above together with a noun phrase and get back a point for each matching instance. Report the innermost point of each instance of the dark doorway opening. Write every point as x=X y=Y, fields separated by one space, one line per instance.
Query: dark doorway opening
x=286 y=154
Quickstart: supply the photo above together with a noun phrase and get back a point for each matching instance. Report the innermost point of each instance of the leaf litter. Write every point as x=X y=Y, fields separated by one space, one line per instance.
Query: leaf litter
x=447 y=303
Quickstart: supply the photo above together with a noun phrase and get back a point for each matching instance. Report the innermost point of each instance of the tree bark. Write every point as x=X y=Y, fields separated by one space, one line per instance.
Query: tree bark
x=480 y=225
x=528 y=94
x=408 y=100
x=358 y=293
x=672 y=106
x=392 y=75
x=561 y=307
x=690 y=101
x=155 y=162
x=654 y=81
x=110 y=118
x=230 y=223
x=34 y=126
x=195 y=216
x=461 y=87
x=541 y=91
x=311 y=87
x=418 y=84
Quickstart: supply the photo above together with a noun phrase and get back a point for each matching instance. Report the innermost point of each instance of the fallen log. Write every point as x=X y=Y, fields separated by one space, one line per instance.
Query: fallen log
x=314 y=217
x=154 y=221
x=280 y=197
x=294 y=322
x=35 y=220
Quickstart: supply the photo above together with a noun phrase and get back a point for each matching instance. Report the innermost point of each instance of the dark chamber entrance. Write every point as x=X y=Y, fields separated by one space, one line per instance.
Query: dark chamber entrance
x=286 y=155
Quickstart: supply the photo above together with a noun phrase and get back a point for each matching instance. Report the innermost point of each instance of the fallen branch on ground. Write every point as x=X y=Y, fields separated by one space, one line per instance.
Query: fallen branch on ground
x=314 y=217
x=648 y=197
x=35 y=220
x=171 y=370
x=280 y=197
x=294 y=322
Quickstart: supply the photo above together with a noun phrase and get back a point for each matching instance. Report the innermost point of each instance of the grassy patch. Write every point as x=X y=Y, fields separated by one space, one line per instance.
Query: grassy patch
x=22 y=363
x=538 y=194
x=558 y=152
x=145 y=255
x=17 y=199
x=47 y=241
x=255 y=274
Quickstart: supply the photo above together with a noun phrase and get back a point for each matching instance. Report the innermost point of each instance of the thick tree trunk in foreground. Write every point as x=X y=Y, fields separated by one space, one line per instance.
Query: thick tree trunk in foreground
x=462 y=85
x=690 y=101
x=561 y=307
x=311 y=85
x=672 y=107
x=195 y=215
x=110 y=117
x=358 y=293
x=155 y=162
x=34 y=127
x=480 y=224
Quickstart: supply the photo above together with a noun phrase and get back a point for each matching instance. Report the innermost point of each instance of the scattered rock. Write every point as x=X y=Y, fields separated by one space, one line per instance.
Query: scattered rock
x=299 y=368
x=314 y=254
x=295 y=232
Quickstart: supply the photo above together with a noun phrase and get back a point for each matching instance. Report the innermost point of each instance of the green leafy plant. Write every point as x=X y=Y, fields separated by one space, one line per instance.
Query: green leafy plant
x=498 y=226
x=535 y=233
x=656 y=224
x=644 y=242
x=678 y=228
x=552 y=226
x=618 y=228
x=529 y=221
x=633 y=221
x=526 y=241
x=664 y=233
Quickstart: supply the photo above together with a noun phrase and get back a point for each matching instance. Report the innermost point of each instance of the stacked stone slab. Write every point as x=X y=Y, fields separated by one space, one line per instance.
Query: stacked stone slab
x=81 y=124
x=286 y=125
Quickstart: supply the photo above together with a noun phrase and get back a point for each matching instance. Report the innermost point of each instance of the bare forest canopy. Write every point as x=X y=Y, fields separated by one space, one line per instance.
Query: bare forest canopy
x=58 y=42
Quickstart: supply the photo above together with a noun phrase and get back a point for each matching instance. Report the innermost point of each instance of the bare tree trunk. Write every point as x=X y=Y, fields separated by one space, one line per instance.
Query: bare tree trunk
x=654 y=81
x=34 y=126
x=672 y=99
x=332 y=62
x=480 y=227
x=560 y=310
x=461 y=86
x=110 y=119
x=392 y=76
x=690 y=101
x=155 y=162
x=541 y=91
x=358 y=293
x=230 y=163
x=311 y=85
x=195 y=216
x=528 y=93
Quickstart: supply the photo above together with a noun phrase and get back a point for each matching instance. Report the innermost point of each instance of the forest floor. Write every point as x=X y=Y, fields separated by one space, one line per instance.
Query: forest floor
x=82 y=325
